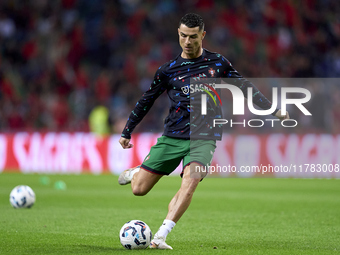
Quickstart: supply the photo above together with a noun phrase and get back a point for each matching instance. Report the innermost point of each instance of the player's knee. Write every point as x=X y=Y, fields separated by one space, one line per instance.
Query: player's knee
x=197 y=172
x=197 y=176
x=138 y=191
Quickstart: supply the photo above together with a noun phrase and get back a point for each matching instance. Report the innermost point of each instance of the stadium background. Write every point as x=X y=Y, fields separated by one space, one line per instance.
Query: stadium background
x=61 y=59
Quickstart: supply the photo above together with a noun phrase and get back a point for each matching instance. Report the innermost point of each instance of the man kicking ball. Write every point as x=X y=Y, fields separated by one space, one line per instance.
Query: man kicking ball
x=180 y=141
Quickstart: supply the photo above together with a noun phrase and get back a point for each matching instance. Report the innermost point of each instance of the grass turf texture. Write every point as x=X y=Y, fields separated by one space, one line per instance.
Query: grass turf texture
x=227 y=216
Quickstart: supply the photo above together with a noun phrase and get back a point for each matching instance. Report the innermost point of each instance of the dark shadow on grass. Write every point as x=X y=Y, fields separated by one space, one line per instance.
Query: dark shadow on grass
x=98 y=248
x=94 y=248
x=79 y=249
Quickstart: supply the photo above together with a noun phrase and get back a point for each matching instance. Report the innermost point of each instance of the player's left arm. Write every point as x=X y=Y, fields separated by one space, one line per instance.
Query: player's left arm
x=238 y=80
x=279 y=115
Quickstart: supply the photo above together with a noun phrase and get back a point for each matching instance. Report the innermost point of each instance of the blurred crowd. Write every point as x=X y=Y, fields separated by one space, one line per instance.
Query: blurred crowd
x=60 y=59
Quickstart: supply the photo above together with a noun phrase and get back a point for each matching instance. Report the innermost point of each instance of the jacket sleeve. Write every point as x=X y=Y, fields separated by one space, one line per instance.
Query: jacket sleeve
x=236 y=79
x=158 y=86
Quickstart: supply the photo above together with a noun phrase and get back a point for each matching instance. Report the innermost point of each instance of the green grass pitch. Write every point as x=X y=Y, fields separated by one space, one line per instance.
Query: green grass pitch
x=227 y=216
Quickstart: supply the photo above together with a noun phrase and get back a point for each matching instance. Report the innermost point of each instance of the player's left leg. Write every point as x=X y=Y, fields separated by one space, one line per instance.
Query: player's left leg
x=200 y=154
x=179 y=204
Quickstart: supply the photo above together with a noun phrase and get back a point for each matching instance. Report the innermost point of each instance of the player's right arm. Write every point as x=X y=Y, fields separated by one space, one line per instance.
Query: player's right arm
x=158 y=86
x=125 y=143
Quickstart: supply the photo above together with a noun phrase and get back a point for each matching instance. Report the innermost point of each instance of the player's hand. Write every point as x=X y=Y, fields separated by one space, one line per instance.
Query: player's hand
x=125 y=143
x=282 y=117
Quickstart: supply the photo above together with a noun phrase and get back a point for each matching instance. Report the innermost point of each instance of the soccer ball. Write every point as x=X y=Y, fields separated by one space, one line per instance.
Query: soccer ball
x=22 y=196
x=135 y=234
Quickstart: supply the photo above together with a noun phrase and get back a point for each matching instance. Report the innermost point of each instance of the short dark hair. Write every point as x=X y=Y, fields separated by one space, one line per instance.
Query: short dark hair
x=192 y=20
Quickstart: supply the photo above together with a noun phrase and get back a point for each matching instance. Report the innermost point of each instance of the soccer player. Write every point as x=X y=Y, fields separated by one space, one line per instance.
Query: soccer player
x=180 y=140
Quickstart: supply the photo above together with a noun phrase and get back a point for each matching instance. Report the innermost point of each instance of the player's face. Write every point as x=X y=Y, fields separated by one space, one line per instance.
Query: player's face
x=190 y=40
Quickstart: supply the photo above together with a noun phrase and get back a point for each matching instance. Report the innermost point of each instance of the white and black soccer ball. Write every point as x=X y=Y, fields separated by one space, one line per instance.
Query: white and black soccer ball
x=135 y=234
x=22 y=196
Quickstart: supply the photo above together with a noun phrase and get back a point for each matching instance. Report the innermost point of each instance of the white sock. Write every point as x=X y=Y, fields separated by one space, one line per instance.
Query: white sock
x=132 y=172
x=135 y=170
x=166 y=227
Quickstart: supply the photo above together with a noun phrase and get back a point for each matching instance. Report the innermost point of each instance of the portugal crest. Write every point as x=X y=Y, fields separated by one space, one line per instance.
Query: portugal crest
x=212 y=72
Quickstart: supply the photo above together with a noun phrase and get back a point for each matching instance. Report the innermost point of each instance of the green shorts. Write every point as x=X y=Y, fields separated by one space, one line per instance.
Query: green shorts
x=166 y=155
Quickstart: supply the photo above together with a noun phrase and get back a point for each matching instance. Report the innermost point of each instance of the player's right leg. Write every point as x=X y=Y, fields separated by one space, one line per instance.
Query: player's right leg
x=162 y=159
x=126 y=176
x=141 y=180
